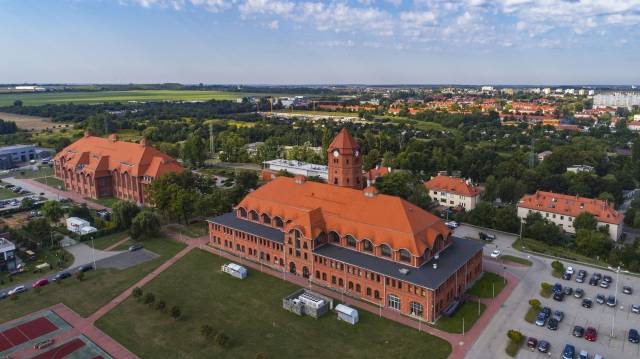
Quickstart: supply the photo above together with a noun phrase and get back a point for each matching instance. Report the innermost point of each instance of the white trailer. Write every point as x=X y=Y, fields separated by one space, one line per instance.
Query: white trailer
x=235 y=270
x=347 y=314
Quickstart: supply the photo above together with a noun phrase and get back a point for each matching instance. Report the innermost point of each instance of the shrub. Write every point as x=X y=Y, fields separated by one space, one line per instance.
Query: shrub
x=545 y=289
x=557 y=266
x=222 y=339
x=534 y=303
x=149 y=298
x=160 y=305
x=137 y=292
x=175 y=312
x=515 y=336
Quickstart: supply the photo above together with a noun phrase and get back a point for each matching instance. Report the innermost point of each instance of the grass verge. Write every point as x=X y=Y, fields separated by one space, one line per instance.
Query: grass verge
x=51 y=181
x=104 y=242
x=555 y=251
x=57 y=258
x=517 y=260
x=488 y=286
x=250 y=312
x=468 y=311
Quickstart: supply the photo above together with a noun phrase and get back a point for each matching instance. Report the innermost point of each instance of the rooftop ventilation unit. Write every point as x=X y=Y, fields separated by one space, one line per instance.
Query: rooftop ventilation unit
x=404 y=271
x=435 y=265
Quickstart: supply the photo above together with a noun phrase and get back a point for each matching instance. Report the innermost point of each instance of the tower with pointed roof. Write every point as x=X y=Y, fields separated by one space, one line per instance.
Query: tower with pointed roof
x=345 y=161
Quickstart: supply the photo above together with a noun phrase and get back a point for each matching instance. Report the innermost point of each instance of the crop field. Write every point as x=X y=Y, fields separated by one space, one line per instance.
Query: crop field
x=93 y=97
x=31 y=123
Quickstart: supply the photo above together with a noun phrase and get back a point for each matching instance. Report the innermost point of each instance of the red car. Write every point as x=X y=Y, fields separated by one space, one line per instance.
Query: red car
x=40 y=283
x=591 y=334
x=532 y=343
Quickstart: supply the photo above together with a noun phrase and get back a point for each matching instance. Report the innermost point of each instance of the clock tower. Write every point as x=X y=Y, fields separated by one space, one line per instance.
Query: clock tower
x=345 y=161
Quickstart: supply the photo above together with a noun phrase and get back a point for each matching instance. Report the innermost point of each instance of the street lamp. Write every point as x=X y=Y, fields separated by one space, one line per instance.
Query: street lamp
x=613 y=316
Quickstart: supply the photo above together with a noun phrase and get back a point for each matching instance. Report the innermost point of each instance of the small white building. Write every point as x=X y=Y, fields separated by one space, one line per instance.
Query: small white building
x=544 y=154
x=79 y=226
x=7 y=255
x=347 y=314
x=297 y=168
x=453 y=192
x=235 y=270
x=580 y=169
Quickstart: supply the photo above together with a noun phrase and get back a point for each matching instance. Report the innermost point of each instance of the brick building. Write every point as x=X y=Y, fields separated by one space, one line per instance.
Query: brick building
x=99 y=167
x=377 y=248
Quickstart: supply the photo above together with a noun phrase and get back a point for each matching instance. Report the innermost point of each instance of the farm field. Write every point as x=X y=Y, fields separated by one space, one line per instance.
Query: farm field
x=250 y=312
x=93 y=97
x=32 y=123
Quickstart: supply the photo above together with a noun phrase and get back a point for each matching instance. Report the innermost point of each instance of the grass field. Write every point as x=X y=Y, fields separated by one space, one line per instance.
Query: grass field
x=250 y=313
x=106 y=241
x=98 y=288
x=107 y=201
x=93 y=97
x=31 y=122
x=7 y=193
x=517 y=260
x=42 y=171
x=51 y=182
x=485 y=286
x=468 y=311
x=193 y=230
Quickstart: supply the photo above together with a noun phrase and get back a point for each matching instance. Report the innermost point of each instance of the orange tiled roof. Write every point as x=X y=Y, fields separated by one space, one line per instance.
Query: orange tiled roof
x=315 y=207
x=100 y=156
x=344 y=142
x=571 y=206
x=452 y=185
x=376 y=172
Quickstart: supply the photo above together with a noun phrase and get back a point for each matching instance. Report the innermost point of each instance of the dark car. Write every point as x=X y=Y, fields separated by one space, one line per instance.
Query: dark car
x=591 y=334
x=61 y=276
x=600 y=299
x=557 y=288
x=135 y=247
x=627 y=290
x=597 y=276
x=593 y=281
x=546 y=311
x=579 y=279
x=543 y=346
x=566 y=276
x=558 y=296
x=553 y=324
x=633 y=336
x=558 y=315
x=611 y=301
x=607 y=279
x=579 y=293
x=578 y=331
x=486 y=237
x=569 y=352
x=541 y=319
x=568 y=290
x=85 y=268
x=532 y=343
x=582 y=273
x=587 y=303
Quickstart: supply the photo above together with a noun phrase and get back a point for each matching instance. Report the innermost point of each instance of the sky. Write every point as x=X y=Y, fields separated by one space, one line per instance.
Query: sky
x=537 y=42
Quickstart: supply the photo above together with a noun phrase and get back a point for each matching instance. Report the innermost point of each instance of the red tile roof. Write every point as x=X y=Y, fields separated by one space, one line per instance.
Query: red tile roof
x=452 y=185
x=374 y=173
x=571 y=206
x=315 y=207
x=344 y=142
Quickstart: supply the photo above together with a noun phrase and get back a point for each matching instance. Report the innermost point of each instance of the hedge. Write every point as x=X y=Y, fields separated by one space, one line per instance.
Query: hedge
x=99 y=233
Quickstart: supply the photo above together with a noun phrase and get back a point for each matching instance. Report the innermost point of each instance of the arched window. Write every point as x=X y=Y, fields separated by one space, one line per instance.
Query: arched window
x=278 y=222
x=438 y=243
x=350 y=285
x=368 y=291
x=334 y=237
x=243 y=212
x=367 y=245
x=324 y=276
x=351 y=242
x=266 y=219
x=358 y=288
x=385 y=250
x=317 y=274
x=405 y=256
x=340 y=282
x=253 y=215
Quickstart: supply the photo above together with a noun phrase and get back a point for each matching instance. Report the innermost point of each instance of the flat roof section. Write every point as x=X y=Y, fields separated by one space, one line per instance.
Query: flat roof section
x=257 y=229
x=449 y=261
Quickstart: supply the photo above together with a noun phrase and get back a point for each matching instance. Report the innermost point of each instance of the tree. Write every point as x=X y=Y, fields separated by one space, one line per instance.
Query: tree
x=52 y=211
x=137 y=292
x=232 y=146
x=534 y=303
x=557 y=266
x=515 y=336
x=123 y=214
x=17 y=103
x=145 y=225
x=36 y=232
x=194 y=150
x=27 y=203
x=586 y=221
x=593 y=243
x=149 y=298
x=246 y=180
x=175 y=312
x=81 y=211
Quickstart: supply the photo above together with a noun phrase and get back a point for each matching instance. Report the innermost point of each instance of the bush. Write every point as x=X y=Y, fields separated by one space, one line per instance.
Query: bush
x=512 y=349
x=534 y=303
x=80 y=276
x=222 y=339
x=137 y=292
x=545 y=289
x=149 y=298
x=175 y=312
x=160 y=305
x=15 y=297
x=557 y=266
x=515 y=336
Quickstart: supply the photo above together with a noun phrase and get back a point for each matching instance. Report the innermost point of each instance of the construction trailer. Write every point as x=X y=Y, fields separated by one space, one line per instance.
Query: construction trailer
x=235 y=270
x=347 y=314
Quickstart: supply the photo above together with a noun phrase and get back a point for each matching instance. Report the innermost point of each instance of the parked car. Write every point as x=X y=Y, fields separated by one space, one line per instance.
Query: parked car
x=40 y=283
x=607 y=279
x=612 y=301
x=587 y=303
x=568 y=290
x=3 y=295
x=582 y=273
x=593 y=281
x=591 y=334
x=532 y=343
x=579 y=293
x=635 y=308
x=566 y=276
x=569 y=270
x=558 y=296
x=557 y=288
x=583 y=354
x=597 y=276
x=541 y=319
x=135 y=247
x=604 y=284
x=546 y=311
x=569 y=352
x=61 y=276
x=452 y=224
x=558 y=315
x=627 y=290
x=600 y=299
x=579 y=279
x=633 y=336
x=552 y=324
x=495 y=253
x=544 y=346
x=597 y=356
x=487 y=236
x=85 y=268
x=578 y=331
x=17 y=290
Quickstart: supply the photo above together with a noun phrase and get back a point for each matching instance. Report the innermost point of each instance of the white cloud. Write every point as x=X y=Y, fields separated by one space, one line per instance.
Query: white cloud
x=273 y=25
x=268 y=7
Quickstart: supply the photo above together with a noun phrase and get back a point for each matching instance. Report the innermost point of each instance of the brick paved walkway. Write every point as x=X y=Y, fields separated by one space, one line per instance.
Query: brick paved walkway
x=117 y=244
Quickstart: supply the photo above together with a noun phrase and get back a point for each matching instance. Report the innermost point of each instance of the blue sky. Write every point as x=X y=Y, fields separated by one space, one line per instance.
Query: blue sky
x=321 y=42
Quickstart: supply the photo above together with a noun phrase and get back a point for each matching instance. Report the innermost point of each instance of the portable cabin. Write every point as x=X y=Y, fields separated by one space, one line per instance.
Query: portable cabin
x=235 y=270
x=347 y=314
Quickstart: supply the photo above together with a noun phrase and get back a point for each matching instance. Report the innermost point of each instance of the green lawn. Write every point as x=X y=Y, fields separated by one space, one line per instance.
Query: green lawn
x=107 y=201
x=556 y=251
x=468 y=311
x=250 y=313
x=42 y=171
x=58 y=259
x=6 y=193
x=98 y=288
x=51 y=182
x=517 y=260
x=484 y=287
x=193 y=230
x=105 y=241
x=92 y=97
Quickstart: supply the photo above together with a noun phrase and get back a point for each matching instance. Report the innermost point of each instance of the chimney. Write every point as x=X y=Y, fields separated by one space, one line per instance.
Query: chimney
x=299 y=179
x=143 y=142
x=370 y=192
x=113 y=137
x=88 y=133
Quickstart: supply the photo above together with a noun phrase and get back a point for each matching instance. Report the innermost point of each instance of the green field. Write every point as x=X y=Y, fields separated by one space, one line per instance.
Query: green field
x=106 y=241
x=93 y=97
x=250 y=312
x=96 y=290
x=51 y=182
x=468 y=311
x=489 y=285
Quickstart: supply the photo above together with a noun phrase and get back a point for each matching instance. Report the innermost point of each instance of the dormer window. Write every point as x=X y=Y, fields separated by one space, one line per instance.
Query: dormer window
x=385 y=250
x=367 y=245
x=351 y=242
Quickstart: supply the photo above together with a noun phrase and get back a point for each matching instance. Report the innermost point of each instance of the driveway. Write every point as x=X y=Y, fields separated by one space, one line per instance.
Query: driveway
x=84 y=254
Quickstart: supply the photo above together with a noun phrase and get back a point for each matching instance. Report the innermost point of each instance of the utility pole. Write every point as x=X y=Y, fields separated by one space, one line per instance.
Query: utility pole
x=212 y=147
